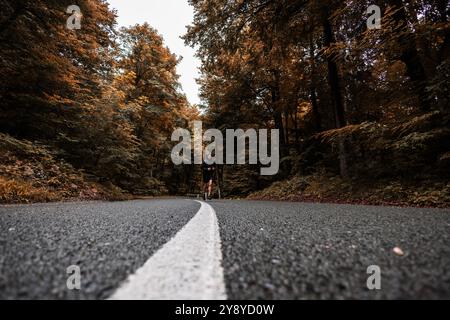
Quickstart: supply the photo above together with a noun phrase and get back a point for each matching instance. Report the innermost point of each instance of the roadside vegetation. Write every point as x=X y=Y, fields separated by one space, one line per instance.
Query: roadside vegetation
x=84 y=113
x=363 y=113
x=406 y=164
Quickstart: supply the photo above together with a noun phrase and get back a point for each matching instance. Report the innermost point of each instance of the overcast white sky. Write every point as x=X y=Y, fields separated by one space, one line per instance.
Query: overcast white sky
x=170 y=18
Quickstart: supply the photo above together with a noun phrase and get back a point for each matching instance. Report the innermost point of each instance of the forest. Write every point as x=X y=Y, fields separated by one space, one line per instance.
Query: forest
x=363 y=113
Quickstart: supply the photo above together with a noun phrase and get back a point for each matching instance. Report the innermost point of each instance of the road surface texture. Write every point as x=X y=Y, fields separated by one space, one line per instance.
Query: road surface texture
x=229 y=249
x=107 y=241
x=322 y=251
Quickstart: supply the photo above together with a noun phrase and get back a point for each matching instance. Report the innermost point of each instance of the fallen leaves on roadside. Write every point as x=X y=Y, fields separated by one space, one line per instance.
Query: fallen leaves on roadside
x=398 y=251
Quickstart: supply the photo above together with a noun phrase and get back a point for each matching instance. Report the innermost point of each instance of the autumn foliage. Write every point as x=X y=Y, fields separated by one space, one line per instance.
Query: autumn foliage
x=360 y=111
x=103 y=100
x=363 y=105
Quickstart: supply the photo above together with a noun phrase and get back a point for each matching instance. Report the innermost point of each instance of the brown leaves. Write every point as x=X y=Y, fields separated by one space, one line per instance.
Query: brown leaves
x=398 y=251
x=16 y=191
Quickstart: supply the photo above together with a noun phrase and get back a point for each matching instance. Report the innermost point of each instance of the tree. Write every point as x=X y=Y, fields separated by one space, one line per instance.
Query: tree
x=307 y=66
x=147 y=82
x=47 y=68
x=106 y=101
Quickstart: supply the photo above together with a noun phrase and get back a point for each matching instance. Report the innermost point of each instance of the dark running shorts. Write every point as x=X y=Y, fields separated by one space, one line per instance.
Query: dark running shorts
x=207 y=176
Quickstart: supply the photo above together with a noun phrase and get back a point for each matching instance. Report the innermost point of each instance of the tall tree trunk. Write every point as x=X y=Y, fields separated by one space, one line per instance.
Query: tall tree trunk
x=315 y=106
x=286 y=126
x=278 y=119
x=409 y=55
x=278 y=116
x=333 y=77
x=445 y=49
x=294 y=119
x=336 y=94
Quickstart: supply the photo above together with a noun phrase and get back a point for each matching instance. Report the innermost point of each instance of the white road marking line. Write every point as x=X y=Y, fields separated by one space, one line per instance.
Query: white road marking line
x=188 y=267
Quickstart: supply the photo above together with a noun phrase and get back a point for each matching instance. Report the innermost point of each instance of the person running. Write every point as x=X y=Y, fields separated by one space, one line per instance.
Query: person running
x=208 y=177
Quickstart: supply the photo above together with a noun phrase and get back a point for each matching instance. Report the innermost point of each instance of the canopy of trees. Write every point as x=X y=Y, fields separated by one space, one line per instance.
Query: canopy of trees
x=308 y=67
x=107 y=100
x=354 y=102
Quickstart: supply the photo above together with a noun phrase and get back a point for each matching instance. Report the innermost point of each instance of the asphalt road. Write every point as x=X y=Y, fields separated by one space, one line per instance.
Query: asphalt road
x=108 y=241
x=322 y=251
x=270 y=250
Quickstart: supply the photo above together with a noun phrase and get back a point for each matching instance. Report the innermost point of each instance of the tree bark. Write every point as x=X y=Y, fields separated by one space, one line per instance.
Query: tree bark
x=410 y=55
x=278 y=116
x=333 y=77
x=313 y=94
x=336 y=94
